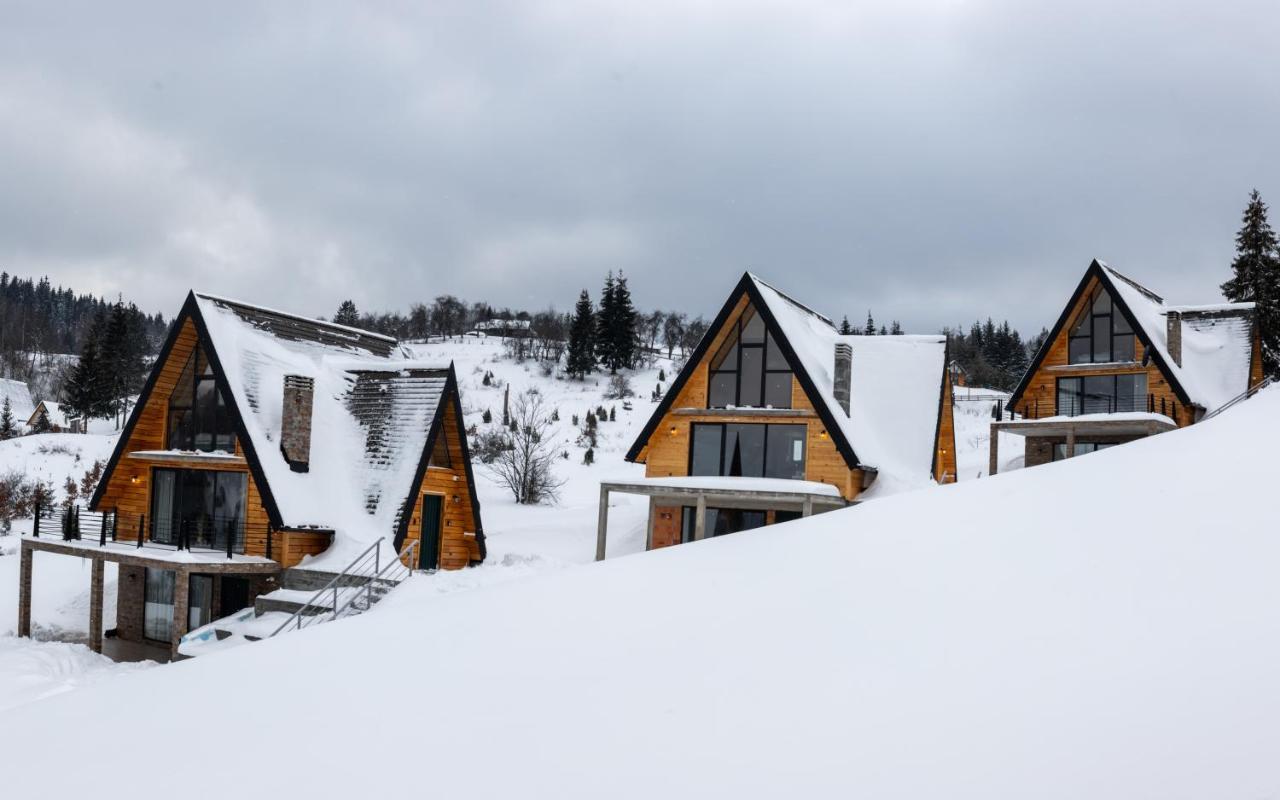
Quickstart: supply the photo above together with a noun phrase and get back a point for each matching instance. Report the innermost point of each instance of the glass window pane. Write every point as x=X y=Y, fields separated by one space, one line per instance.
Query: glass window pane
x=1123 y=347
x=752 y=327
x=749 y=388
x=786 y=452
x=1118 y=322
x=726 y=358
x=1102 y=303
x=706 y=448
x=777 y=389
x=774 y=357
x=744 y=450
x=157 y=603
x=1099 y=394
x=1079 y=350
x=162 y=505
x=206 y=414
x=181 y=396
x=1068 y=397
x=723 y=387
x=1101 y=339
x=1131 y=392
x=199 y=601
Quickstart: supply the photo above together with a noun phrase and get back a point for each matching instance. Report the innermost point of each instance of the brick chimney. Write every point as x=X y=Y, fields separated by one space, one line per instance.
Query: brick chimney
x=843 y=374
x=295 y=421
x=1173 y=321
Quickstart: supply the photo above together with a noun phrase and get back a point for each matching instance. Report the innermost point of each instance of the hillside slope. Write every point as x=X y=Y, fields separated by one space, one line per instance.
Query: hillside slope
x=1105 y=627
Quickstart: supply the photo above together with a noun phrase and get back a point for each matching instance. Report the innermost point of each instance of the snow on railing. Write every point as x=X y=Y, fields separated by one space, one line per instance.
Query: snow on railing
x=1240 y=398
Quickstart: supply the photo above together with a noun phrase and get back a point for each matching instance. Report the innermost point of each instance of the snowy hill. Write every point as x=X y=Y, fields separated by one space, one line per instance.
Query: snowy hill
x=954 y=642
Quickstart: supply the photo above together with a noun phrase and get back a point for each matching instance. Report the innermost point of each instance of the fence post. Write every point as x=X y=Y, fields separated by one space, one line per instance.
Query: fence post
x=231 y=541
x=115 y=522
x=269 y=541
x=102 y=530
x=35 y=531
x=182 y=535
x=142 y=528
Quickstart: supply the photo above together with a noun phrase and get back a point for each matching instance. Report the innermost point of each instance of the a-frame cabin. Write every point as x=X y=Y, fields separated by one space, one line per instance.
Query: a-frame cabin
x=1121 y=364
x=776 y=415
x=262 y=439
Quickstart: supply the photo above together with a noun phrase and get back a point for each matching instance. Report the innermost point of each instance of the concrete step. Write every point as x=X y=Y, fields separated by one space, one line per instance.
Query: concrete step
x=313 y=580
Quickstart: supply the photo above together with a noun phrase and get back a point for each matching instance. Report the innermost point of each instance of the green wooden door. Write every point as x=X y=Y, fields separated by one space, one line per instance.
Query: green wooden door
x=429 y=548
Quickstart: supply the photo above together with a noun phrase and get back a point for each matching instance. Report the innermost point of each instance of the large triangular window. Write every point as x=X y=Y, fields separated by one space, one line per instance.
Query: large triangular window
x=198 y=414
x=1101 y=334
x=749 y=370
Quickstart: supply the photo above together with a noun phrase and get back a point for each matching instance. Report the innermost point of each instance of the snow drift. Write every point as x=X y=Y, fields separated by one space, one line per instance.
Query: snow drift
x=1107 y=626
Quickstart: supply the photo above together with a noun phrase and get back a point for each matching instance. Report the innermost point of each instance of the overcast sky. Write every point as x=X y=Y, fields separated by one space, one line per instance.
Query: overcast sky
x=933 y=161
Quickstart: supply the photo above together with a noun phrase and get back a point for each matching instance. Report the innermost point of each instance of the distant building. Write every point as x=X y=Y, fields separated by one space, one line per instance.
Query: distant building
x=959 y=376
x=504 y=327
x=776 y=415
x=1121 y=364
x=54 y=418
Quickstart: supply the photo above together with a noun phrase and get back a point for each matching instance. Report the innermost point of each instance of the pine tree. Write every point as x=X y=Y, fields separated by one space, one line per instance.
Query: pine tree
x=895 y=328
x=88 y=391
x=8 y=428
x=870 y=328
x=606 y=318
x=347 y=314
x=624 y=325
x=1256 y=278
x=845 y=327
x=581 y=357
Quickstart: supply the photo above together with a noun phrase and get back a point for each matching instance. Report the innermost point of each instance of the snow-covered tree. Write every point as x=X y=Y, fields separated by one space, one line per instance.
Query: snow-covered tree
x=8 y=427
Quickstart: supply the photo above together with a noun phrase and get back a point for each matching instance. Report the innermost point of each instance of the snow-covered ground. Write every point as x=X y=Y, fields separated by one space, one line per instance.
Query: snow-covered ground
x=955 y=642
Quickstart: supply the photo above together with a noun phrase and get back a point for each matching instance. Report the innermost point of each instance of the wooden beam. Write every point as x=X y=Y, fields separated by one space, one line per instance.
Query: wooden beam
x=95 y=605
x=1071 y=442
x=648 y=535
x=993 y=462
x=602 y=522
x=24 y=591
x=700 y=519
x=181 y=602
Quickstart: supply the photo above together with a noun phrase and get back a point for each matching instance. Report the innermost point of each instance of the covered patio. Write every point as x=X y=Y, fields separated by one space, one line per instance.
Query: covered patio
x=183 y=563
x=703 y=492
x=1082 y=428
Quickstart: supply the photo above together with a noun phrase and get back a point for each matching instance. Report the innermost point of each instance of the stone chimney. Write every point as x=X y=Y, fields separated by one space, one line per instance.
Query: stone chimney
x=295 y=421
x=1173 y=319
x=843 y=374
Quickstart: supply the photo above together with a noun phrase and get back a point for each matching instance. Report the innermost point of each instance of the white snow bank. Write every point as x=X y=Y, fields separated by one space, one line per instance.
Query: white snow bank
x=955 y=642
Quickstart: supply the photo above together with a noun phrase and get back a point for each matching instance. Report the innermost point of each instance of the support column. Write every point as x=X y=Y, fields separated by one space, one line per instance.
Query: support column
x=700 y=519
x=181 y=601
x=1071 y=442
x=602 y=523
x=24 y=591
x=648 y=536
x=993 y=464
x=95 y=606
x=807 y=509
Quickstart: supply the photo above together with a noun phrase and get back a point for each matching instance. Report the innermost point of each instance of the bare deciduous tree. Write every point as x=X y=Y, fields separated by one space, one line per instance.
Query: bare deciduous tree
x=526 y=465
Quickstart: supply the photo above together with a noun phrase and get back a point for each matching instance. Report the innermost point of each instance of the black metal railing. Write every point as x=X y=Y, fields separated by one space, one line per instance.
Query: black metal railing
x=1075 y=406
x=201 y=534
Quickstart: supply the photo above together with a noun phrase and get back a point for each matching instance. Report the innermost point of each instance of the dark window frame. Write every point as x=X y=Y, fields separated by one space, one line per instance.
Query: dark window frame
x=1114 y=407
x=1088 y=320
x=765 y=347
x=764 y=454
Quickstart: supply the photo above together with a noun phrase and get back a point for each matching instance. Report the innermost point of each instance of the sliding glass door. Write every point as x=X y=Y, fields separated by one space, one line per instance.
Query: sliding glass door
x=208 y=505
x=157 y=613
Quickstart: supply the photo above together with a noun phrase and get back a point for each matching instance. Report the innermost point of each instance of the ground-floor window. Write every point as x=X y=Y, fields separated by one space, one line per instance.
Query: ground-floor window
x=720 y=521
x=158 y=598
x=1060 y=449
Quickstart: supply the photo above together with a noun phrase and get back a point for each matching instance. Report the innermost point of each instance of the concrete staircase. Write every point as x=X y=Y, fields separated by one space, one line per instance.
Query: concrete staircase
x=299 y=587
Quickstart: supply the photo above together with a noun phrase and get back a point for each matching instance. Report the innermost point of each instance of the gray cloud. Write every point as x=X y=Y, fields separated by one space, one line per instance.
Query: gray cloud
x=930 y=160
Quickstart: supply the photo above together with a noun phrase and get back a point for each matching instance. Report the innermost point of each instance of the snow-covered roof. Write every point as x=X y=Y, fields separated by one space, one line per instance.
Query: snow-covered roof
x=19 y=397
x=1217 y=340
x=372 y=412
x=57 y=413
x=894 y=392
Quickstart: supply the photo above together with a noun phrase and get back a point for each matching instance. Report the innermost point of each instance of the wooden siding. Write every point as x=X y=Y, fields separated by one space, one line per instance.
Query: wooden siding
x=1041 y=396
x=666 y=526
x=667 y=453
x=458 y=545
x=1255 y=359
x=944 y=457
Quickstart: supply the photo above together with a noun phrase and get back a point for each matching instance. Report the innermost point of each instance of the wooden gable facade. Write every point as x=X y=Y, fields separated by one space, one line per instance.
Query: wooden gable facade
x=665 y=445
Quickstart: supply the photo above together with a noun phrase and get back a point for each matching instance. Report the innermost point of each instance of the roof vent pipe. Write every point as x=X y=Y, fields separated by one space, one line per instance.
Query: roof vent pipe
x=295 y=421
x=842 y=374
x=1173 y=321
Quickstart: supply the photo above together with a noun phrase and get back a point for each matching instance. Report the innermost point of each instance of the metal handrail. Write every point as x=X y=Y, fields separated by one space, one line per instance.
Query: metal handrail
x=1240 y=398
x=397 y=564
x=332 y=585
